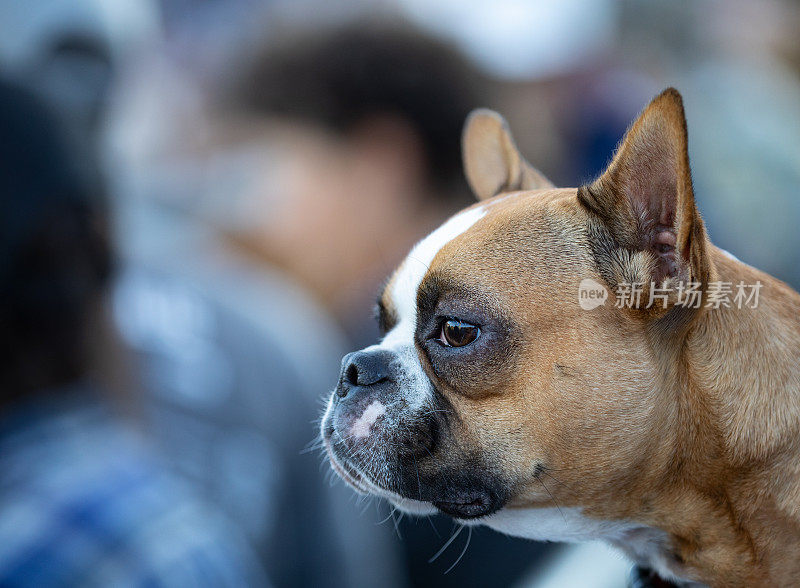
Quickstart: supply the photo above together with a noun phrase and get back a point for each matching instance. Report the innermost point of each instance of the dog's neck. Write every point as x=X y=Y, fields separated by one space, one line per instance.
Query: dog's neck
x=732 y=413
x=746 y=363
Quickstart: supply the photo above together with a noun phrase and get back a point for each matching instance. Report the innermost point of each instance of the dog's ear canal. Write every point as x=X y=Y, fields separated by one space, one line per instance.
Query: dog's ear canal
x=492 y=162
x=645 y=226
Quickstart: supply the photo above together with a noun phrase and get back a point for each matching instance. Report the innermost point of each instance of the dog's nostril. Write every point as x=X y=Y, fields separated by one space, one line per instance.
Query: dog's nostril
x=366 y=368
x=351 y=374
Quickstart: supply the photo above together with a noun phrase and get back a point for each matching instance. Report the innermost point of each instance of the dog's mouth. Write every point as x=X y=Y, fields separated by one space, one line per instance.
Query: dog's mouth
x=469 y=505
x=460 y=504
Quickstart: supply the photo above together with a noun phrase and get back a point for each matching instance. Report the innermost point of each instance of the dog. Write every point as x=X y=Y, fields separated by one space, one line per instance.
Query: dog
x=500 y=396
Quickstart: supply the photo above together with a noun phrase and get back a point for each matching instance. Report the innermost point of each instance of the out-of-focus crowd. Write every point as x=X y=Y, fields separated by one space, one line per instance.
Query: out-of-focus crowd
x=200 y=201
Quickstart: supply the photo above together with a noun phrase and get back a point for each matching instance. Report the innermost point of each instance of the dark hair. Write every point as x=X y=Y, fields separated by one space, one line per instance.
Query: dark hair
x=54 y=250
x=339 y=77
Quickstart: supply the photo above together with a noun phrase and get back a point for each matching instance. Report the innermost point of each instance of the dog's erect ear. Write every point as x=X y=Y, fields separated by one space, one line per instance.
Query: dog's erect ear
x=645 y=203
x=492 y=162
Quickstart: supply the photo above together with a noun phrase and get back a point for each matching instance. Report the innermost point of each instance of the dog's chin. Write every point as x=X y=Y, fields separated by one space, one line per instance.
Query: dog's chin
x=464 y=505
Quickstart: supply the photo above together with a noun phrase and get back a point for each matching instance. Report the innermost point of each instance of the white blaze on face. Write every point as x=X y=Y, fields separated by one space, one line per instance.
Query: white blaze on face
x=416 y=265
x=404 y=298
x=363 y=424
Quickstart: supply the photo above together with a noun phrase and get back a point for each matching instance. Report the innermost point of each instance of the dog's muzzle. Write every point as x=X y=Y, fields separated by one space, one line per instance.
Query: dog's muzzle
x=372 y=427
x=382 y=438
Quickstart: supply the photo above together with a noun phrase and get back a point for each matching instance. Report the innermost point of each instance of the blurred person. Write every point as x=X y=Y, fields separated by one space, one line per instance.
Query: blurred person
x=227 y=371
x=229 y=374
x=83 y=498
x=365 y=121
x=361 y=127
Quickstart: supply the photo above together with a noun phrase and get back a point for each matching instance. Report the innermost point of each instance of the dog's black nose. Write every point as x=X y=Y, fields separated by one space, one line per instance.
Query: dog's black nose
x=363 y=368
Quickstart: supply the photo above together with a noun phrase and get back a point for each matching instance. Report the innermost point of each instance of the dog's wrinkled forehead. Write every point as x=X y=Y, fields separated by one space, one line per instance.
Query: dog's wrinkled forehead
x=400 y=296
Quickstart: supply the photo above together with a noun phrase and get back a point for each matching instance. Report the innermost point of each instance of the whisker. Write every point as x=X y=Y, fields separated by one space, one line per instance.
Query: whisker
x=551 y=498
x=446 y=545
x=435 y=410
x=463 y=551
x=397 y=523
x=561 y=469
x=544 y=471
x=367 y=502
x=435 y=530
x=419 y=261
x=315 y=446
x=389 y=516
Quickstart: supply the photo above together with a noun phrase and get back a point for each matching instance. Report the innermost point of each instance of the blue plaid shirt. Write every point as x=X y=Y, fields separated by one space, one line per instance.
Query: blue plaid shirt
x=83 y=502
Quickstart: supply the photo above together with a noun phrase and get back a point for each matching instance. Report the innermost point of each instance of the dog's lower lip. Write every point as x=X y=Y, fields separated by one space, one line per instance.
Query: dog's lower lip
x=471 y=507
x=350 y=477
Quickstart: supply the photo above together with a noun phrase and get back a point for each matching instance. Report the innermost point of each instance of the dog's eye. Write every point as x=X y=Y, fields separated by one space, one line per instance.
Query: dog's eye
x=457 y=333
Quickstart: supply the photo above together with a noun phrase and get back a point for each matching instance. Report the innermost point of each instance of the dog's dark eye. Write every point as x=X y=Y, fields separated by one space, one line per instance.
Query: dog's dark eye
x=457 y=333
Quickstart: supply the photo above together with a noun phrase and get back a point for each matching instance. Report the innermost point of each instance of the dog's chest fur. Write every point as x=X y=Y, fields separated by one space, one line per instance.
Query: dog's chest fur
x=645 y=546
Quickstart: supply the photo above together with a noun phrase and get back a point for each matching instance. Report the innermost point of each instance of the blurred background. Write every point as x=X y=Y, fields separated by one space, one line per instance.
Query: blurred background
x=200 y=201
